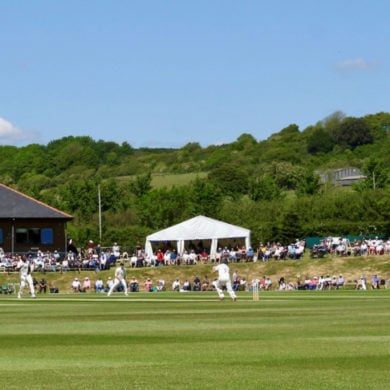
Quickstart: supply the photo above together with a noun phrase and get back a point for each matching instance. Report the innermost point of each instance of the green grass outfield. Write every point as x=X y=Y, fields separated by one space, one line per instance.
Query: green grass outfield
x=286 y=340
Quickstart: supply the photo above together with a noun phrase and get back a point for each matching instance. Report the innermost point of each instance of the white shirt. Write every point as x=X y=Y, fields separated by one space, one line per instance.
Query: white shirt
x=223 y=271
x=24 y=267
x=120 y=273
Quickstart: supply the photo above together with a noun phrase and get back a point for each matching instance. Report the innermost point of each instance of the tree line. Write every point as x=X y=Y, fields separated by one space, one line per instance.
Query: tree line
x=269 y=186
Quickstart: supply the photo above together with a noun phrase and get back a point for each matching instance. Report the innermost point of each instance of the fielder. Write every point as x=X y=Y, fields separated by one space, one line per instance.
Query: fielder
x=120 y=278
x=223 y=280
x=25 y=268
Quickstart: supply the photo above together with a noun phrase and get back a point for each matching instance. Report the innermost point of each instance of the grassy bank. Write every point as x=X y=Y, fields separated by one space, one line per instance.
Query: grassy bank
x=351 y=268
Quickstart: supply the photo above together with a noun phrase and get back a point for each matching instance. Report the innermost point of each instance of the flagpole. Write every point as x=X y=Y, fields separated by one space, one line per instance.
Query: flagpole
x=100 y=215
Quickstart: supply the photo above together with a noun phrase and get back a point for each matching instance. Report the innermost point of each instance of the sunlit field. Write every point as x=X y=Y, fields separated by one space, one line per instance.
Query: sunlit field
x=286 y=340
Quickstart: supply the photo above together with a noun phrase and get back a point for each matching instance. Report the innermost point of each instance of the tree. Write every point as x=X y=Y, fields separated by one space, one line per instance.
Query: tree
x=205 y=198
x=319 y=141
x=141 y=185
x=231 y=178
x=351 y=133
x=264 y=188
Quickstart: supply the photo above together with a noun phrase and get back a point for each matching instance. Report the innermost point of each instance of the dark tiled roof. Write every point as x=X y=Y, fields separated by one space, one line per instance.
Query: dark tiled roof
x=14 y=204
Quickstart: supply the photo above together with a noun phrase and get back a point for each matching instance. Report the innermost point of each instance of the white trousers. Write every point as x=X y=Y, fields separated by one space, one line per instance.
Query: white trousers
x=117 y=282
x=29 y=280
x=218 y=286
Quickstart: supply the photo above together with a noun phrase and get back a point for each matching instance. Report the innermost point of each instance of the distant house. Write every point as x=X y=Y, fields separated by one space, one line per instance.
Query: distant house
x=27 y=224
x=342 y=177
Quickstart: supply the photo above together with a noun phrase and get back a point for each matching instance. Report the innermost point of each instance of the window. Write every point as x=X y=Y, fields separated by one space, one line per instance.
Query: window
x=34 y=236
x=1 y=236
x=47 y=236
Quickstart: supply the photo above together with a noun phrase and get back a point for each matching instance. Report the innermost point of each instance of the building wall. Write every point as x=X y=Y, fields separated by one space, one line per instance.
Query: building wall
x=32 y=234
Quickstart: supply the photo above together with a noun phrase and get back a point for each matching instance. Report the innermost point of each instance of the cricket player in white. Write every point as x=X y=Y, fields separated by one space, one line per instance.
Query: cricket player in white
x=25 y=268
x=120 y=278
x=223 y=280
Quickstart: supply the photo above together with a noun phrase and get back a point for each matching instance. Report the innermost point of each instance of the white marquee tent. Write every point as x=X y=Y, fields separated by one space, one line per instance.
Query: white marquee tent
x=195 y=229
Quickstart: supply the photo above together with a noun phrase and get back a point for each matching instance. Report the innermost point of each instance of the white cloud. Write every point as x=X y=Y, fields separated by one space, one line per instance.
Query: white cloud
x=355 y=64
x=11 y=135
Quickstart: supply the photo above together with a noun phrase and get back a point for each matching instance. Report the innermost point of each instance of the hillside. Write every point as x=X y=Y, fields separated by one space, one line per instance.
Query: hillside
x=271 y=187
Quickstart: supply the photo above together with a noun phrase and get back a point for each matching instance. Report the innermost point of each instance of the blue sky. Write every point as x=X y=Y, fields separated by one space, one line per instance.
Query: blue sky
x=162 y=73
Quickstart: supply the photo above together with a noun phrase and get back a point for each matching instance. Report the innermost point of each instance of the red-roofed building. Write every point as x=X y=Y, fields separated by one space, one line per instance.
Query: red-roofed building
x=27 y=224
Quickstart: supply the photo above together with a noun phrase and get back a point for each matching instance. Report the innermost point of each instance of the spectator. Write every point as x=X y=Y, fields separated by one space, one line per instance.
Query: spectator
x=249 y=254
x=160 y=257
x=242 y=284
x=176 y=285
x=173 y=257
x=86 y=284
x=42 y=286
x=148 y=285
x=116 y=250
x=99 y=287
x=186 y=285
x=204 y=256
x=91 y=246
x=282 y=283
x=268 y=283
x=134 y=286
x=161 y=285
x=205 y=283
x=375 y=282
x=196 y=286
x=340 y=281
x=109 y=284
x=361 y=284
x=76 y=285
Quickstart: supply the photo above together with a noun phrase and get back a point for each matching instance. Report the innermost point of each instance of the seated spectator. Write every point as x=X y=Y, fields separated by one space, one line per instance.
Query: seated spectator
x=86 y=284
x=340 y=281
x=160 y=257
x=205 y=284
x=148 y=285
x=282 y=284
x=65 y=264
x=361 y=284
x=76 y=286
x=167 y=257
x=186 y=285
x=99 y=287
x=192 y=258
x=176 y=285
x=133 y=260
x=291 y=285
x=134 y=285
x=268 y=283
x=103 y=261
x=243 y=284
x=375 y=282
x=42 y=286
x=109 y=283
x=327 y=284
x=249 y=254
x=204 y=256
x=233 y=256
x=196 y=285
x=173 y=257
x=161 y=285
